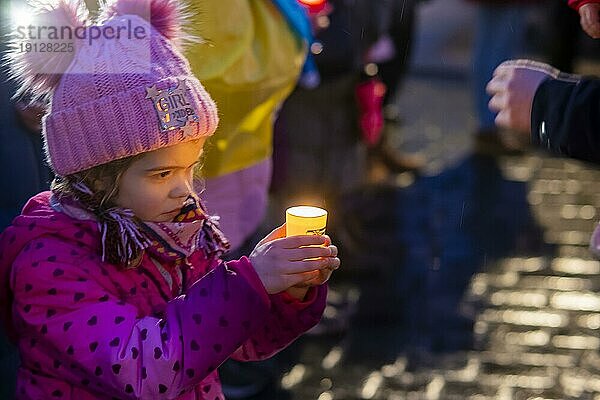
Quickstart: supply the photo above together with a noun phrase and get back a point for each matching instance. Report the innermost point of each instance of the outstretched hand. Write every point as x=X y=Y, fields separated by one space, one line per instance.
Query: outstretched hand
x=513 y=88
x=297 y=261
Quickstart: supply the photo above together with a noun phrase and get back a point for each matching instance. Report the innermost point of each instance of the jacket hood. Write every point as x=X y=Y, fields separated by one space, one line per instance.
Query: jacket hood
x=37 y=219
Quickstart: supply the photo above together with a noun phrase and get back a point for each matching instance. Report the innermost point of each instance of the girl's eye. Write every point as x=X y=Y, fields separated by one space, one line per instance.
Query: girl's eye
x=164 y=174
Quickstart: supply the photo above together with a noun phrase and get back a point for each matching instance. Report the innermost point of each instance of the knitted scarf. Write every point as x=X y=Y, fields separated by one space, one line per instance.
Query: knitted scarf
x=125 y=238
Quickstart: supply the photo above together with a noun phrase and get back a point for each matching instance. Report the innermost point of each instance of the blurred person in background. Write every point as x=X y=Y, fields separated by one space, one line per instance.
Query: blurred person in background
x=318 y=148
x=319 y=153
x=325 y=131
x=331 y=135
x=393 y=32
x=23 y=171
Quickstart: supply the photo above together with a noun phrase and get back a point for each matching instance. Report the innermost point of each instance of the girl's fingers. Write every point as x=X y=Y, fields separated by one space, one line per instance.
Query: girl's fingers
x=311 y=252
x=301 y=279
x=278 y=239
x=334 y=250
x=293 y=242
x=334 y=263
x=321 y=278
x=295 y=267
x=315 y=277
x=331 y=263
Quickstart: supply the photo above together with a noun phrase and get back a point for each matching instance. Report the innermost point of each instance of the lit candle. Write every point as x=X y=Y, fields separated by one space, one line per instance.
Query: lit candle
x=305 y=220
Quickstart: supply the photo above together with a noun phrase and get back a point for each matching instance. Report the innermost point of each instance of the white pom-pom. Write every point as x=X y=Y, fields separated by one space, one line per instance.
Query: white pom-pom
x=41 y=51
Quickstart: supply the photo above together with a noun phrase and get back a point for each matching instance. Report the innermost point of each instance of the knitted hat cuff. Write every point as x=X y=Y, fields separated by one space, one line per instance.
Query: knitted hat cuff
x=126 y=124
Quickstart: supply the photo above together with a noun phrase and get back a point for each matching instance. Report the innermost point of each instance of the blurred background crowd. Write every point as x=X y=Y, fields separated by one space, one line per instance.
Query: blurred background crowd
x=464 y=237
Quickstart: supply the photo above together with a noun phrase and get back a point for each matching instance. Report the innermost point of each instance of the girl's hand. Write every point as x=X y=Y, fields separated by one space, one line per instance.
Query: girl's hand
x=299 y=291
x=282 y=262
x=325 y=273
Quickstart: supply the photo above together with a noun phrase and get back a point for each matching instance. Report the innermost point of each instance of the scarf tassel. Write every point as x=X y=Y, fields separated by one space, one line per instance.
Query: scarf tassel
x=130 y=240
x=211 y=238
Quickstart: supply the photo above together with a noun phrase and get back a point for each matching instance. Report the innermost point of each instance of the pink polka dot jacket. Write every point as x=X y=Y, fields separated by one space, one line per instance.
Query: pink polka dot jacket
x=90 y=330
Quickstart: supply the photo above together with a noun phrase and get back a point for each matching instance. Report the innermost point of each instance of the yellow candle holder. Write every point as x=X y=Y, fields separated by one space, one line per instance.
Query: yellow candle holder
x=305 y=220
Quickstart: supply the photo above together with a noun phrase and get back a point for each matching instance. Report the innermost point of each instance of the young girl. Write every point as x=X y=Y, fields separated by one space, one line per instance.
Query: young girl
x=113 y=283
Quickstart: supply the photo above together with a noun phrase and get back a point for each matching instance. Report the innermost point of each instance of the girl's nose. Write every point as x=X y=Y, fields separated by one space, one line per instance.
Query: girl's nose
x=183 y=189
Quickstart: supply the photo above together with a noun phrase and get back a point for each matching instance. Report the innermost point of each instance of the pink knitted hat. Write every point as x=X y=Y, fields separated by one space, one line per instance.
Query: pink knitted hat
x=114 y=97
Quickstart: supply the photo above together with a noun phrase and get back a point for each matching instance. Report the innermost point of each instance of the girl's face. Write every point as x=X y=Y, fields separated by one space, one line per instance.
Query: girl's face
x=155 y=186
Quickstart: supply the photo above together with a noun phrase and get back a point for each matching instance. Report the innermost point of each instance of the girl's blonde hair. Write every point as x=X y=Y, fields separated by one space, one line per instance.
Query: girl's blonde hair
x=95 y=189
x=102 y=182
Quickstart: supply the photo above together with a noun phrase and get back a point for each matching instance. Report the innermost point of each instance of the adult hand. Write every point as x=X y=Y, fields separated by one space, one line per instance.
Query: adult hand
x=513 y=87
x=282 y=262
x=590 y=19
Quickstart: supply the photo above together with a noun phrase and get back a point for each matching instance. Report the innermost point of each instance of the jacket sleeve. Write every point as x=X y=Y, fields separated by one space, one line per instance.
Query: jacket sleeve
x=79 y=330
x=565 y=118
x=288 y=319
